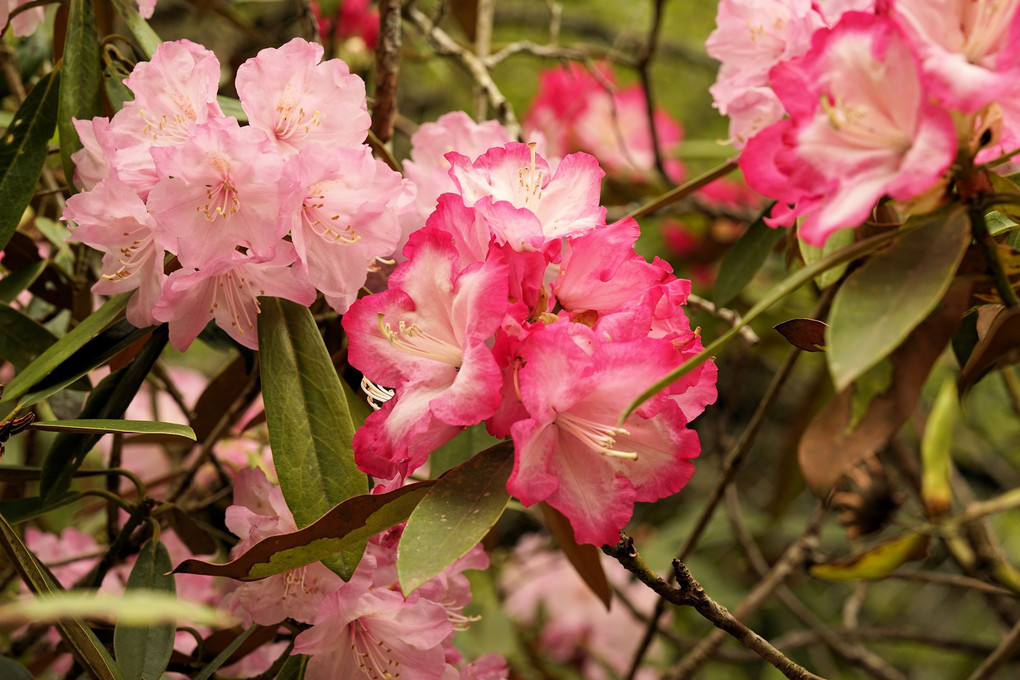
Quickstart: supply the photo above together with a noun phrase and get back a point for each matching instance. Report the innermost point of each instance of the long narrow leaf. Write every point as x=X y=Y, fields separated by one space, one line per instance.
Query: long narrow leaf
x=110 y=425
x=144 y=651
x=82 y=80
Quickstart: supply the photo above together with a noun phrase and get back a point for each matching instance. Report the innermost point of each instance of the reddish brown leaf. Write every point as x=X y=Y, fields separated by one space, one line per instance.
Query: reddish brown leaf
x=804 y=334
x=831 y=446
x=217 y=397
x=586 y=559
x=1000 y=346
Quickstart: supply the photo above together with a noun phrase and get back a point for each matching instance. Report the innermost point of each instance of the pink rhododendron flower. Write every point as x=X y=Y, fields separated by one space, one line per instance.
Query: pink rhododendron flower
x=227 y=290
x=298 y=101
x=111 y=218
x=861 y=128
x=25 y=22
x=571 y=453
x=346 y=219
x=525 y=203
x=425 y=336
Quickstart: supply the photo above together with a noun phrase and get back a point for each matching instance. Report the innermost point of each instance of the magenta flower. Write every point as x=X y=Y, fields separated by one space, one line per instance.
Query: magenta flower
x=571 y=453
x=426 y=337
x=298 y=101
x=861 y=127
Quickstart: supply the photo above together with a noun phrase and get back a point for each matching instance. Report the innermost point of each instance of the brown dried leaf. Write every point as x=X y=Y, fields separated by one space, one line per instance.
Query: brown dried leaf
x=586 y=559
x=1000 y=346
x=804 y=334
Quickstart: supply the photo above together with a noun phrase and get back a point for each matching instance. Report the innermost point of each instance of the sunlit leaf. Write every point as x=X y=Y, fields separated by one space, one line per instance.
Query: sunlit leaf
x=139 y=27
x=936 y=450
x=880 y=303
x=454 y=516
x=112 y=425
x=877 y=562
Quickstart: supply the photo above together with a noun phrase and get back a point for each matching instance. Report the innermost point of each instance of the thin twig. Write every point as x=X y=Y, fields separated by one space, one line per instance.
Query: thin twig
x=584 y=53
x=1003 y=653
x=684 y=190
x=443 y=44
x=688 y=592
x=952 y=581
x=726 y=314
x=644 y=63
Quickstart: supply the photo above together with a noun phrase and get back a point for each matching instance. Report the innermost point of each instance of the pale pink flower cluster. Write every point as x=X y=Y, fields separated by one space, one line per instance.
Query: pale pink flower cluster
x=26 y=21
x=879 y=98
x=518 y=306
x=577 y=111
x=365 y=627
x=290 y=203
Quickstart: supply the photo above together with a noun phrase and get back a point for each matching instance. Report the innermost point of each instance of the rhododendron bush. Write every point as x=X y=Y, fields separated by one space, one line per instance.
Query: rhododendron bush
x=463 y=341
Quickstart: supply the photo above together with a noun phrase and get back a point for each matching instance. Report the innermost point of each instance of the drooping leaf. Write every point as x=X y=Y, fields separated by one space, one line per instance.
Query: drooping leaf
x=877 y=562
x=139 y=27
x=143 y=652
x=108 y=400
x=110 y=425
x=936 y=451
x=454 y=516
x=310 y=426
x=884 y=300
x=87 y=648
x=63 y=348
x=999 y=346
x=221 y=391
x=745 y=258
x=23 y=149
x=350 y=523
x=586 y=559
x=82 y=80
x=22 y=338
x=838 y=239
x=830 y=447
x=804 y=334
x=19 y=510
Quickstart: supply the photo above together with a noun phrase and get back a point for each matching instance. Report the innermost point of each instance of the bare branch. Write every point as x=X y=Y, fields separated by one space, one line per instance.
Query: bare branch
x=387 y=67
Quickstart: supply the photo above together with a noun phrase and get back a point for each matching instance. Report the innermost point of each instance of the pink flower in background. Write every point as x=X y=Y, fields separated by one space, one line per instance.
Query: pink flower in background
x=526 y=204
x=861 y=128
x=355 y=19
x=25 y=23
x=298 y=101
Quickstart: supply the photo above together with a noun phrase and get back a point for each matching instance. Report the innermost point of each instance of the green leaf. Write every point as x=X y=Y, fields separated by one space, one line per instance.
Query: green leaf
x=231 y=106
x=133 y=609
x=113 y=425
x=12 y=670
x=310 y=426
x=293 y=668
x=878 y=306
x=22 y=338
x=139 y=27
x=144 y=652
x=937 y=449
x=999 y=223
x=460 y=449
x=877 y=562
x=108 y=400
x=81 y=81
x=350 y=523
x=454 y=516
x=12 y=285
x=838 y=239
x=19 y=510
x=745 y=258
x=222 y=657
x=63 y=348
x=87 y=648
x=23 y=152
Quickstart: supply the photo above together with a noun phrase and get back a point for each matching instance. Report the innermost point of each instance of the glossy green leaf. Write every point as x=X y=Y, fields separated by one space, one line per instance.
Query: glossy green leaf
x=878 y=306
x=22 y=338
x=82 y=80
x=837 y=240
x=108 y=400
x=937 y=449
x=310 y=426
x=113 y=425
x=16 y=282
x=350 y=523
x=23 y=148
x=231 y=106
x=143 y=652
x=454 y=516
x=12 y=670
x=139 y=27
x=877 y=562
x=63 y=348
x=87 y=648
x=745 y=258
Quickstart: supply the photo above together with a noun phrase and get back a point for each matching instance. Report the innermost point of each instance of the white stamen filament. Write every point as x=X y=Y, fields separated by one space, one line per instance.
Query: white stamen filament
x=168 y=130
x=221 y=200
x=989 y=21
x=377 y=395
x=415 y=340
x=132 y=257
x=530 y=179
x=291 y=117
x=599 y=437
x=327 y=226
x=855 y=122
x=235 y=292
x=371 y=655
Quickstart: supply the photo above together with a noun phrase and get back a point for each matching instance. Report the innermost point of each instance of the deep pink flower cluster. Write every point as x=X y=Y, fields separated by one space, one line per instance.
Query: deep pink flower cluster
x=365 y=627
x=577 y=111
x=290 y=203
x=879 y=99
x=519 y=306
